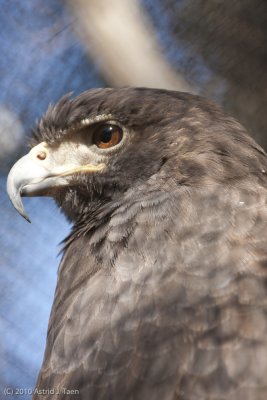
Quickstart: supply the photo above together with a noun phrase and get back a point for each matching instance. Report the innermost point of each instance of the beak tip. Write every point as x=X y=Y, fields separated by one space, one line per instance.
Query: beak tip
x=25 y=216
x=17 y=204
x=21 y=211
x=14 y=188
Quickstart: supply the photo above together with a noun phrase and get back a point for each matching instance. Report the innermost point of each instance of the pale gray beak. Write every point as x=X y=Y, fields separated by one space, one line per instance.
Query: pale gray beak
x=40 y=173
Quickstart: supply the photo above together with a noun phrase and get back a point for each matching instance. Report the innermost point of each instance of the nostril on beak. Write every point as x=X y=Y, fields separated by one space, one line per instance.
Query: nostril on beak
x=41 y=155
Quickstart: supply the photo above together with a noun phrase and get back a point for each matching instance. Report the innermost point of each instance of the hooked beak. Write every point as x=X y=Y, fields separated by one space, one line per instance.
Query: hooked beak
x=40 y=173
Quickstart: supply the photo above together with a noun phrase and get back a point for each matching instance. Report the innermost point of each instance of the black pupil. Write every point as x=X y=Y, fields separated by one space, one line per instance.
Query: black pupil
x=106 y=134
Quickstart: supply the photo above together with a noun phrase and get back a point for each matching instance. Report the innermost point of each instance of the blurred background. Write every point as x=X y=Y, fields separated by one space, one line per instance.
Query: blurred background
x=216 y=48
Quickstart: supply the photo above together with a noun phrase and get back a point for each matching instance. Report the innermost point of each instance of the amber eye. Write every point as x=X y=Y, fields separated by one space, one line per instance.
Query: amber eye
x=107 y=136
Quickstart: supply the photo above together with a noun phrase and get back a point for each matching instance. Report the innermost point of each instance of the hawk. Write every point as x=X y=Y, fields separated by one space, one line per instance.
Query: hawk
x=162 y=287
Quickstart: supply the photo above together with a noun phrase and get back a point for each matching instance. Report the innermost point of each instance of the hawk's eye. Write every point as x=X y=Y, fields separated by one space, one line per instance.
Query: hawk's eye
x=107 y=136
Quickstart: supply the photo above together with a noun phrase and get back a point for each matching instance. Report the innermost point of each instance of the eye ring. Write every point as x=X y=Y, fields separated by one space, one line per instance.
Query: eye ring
x=107 y=136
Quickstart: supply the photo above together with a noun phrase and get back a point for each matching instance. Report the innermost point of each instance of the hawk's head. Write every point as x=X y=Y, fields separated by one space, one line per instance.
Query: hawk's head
x=90 y=151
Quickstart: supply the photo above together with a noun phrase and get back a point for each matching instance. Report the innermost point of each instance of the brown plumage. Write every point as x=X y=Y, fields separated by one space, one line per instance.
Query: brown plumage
x=162 y=288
